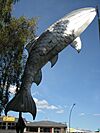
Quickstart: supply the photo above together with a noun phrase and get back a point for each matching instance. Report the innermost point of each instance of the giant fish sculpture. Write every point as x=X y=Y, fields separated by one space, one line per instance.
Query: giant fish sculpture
x=45 y=48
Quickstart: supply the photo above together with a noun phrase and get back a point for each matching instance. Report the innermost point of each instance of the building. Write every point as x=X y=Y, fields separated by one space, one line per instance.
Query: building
x=75 y=130
x=8 y=125
x=46 y=127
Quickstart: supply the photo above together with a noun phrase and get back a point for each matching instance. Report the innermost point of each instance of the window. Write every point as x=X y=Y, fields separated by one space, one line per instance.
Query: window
x=0 y=125
x=3 y=125
x=32 y=129
x=11 y=125
x=57 y=130
x=45 y=129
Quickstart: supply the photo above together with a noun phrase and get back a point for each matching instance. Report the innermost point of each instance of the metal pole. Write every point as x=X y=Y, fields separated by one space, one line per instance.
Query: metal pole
x=70 y=115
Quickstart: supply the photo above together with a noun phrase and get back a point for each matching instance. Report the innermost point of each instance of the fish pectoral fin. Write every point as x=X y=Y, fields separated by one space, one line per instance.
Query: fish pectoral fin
x=38 y=77
x=54 y=60
x=77 y=44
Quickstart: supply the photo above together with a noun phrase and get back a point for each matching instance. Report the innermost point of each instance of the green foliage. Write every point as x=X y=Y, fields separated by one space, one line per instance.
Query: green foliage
x=14 y=33
x=5 y=10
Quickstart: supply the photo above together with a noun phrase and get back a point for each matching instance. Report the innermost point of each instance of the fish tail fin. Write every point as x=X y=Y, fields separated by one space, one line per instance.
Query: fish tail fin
x=22 y=102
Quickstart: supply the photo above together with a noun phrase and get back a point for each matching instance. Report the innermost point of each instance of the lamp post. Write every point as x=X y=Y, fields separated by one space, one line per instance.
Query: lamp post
x=70 y=115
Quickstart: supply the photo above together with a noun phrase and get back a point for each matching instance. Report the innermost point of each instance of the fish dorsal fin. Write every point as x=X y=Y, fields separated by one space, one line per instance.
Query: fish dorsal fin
x=54 y=60
x=30 y=45
x=76 y=44
x=38 y=77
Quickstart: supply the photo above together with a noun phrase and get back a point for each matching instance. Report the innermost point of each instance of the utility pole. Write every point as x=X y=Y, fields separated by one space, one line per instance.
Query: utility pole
x=70 y=115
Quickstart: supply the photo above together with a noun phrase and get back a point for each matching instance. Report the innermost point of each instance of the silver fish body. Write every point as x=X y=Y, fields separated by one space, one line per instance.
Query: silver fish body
x=46 y=48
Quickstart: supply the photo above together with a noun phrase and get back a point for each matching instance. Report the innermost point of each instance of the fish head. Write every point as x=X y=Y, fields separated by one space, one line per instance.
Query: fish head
x=80 y=19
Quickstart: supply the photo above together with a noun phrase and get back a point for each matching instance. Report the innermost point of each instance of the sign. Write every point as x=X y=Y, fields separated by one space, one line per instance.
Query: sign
x=8 y=118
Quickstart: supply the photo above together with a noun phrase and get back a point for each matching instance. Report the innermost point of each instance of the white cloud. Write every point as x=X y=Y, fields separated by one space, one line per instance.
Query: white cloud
x=96 y=114
x=40 y=110
x=35 y=93
x=43 y=104
x=60 y=111
x=82 y=114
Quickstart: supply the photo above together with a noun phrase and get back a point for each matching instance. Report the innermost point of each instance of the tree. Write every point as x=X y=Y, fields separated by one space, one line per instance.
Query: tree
x=14 y=33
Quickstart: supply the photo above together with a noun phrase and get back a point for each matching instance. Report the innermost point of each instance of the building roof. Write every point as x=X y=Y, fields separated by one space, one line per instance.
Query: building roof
x=46 y=124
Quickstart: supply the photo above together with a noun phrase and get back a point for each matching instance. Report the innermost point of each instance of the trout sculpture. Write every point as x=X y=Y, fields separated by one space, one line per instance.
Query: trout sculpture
x=46 y=48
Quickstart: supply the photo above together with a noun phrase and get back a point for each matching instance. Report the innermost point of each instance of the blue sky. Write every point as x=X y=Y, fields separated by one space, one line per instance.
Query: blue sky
x=76 y=77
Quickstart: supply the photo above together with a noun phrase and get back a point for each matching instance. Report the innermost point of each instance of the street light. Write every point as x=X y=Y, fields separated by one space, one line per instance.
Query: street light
x=70 y=115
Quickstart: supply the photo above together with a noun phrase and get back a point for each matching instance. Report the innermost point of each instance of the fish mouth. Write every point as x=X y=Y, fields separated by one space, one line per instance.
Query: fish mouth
x=80 y=19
